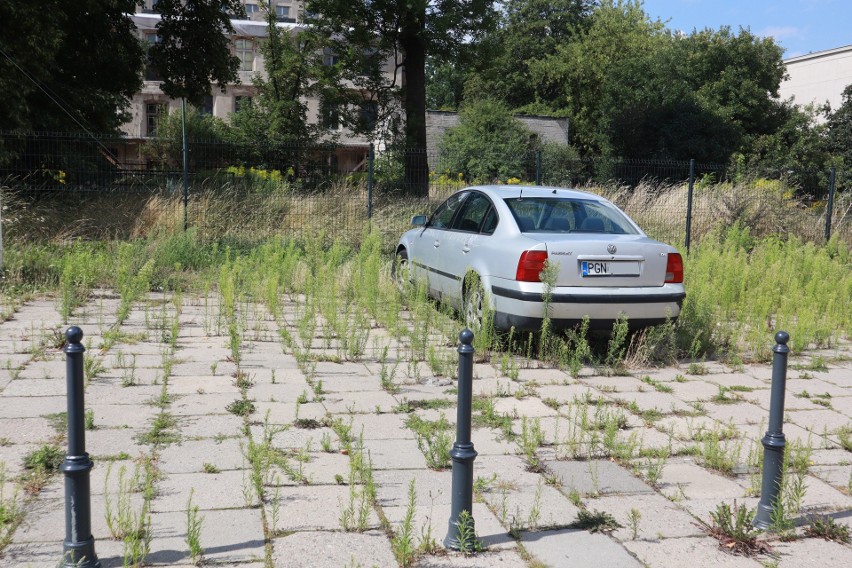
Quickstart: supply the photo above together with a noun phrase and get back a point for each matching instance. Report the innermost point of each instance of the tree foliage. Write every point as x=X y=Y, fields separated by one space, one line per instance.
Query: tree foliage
x=362 y=34
x=276 y=121
x=67 y=65
x=487 y=145
x=840 y=129
x=193 y=49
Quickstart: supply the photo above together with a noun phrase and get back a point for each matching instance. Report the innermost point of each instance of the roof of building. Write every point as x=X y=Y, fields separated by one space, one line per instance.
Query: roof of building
x=148 y=22
x=818 y=54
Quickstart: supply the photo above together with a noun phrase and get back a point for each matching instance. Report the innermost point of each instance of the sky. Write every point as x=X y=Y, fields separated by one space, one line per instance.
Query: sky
x=800 y=27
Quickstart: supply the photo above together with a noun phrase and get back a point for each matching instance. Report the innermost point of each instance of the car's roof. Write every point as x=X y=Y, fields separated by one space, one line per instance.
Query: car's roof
x=504 y=191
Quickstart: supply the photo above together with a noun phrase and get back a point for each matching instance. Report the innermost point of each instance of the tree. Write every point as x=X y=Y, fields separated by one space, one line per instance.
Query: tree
x=487 y=145
x=193 y=48
x=530 y=31
x=273 y=129
x=363 y=34
x=67 y=65
x=840 y=129
x=578 y=75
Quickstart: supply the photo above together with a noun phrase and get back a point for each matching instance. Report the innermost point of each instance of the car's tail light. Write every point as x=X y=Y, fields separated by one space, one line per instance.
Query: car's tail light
x=674 y=269
x=530 y=265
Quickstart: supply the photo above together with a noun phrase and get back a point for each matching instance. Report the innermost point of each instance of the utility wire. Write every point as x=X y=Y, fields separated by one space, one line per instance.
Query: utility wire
x=56 y=102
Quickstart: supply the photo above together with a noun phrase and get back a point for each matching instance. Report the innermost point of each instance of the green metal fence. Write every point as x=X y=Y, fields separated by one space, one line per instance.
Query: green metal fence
x=60 y=186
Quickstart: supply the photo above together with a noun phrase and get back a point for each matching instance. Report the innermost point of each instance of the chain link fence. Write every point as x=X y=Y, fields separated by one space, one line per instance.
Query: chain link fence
x=59 y=186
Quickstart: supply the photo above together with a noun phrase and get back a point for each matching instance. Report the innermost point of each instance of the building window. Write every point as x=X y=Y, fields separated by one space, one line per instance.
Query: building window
x=251 y=10
x=329 y=57
x=329 y=116
x=151 y=73
x=283 y=13
x=153 y=113
x=206 y=106
x=245 y=53
x=241 y=102
x=368 y=115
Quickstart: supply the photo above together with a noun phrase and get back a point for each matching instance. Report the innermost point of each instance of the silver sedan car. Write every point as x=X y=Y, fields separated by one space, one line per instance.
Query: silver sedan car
x=485 y=248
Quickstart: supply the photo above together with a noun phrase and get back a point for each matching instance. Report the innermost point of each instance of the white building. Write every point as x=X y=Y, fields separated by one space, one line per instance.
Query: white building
x=818 y=77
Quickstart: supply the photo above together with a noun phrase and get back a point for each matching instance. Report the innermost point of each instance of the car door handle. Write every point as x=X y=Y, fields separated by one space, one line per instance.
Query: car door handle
x=466 y=249
x=437 y=244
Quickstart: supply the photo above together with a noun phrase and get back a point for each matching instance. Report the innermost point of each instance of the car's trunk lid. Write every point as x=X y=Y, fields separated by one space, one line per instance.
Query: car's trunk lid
x=607 y=260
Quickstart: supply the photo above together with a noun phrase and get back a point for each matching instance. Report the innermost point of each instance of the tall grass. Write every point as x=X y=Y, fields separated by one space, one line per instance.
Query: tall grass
x=741 y=288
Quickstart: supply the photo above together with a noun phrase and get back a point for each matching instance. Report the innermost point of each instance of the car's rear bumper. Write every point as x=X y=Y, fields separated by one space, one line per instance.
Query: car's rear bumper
x=645 y=306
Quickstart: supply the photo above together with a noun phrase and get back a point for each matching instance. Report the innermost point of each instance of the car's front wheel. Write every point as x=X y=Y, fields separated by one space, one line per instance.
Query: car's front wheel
x=400 y=270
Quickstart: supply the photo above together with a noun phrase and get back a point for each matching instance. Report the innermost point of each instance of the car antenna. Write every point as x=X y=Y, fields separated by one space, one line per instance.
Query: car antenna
x=521 y=195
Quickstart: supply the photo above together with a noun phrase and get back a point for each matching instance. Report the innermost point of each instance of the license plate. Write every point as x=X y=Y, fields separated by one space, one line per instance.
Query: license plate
x=590 y=268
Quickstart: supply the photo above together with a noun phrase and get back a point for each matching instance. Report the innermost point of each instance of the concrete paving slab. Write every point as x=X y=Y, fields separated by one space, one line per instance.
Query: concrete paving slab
x=695 y=482
x=195 y=404
x=569 y=547
x=596 y=477
x=230 y=536
x=223 y=490
x=487 y=559
x=114 y=441
x=694 y=552
x=54 y=386
x=495 y=387
x=395 y=454
x=26 y=430
x=134 y=416
x=317 y=507
x=736 y=380
x=357 y=402
x=660 y=518
x=530 y=407
x=210 y=426
x=379 y=426
x=324 y=548
x=29 y=407
x=651 y=400
x=528 y=506
x=436 y=518
x=189 y=456
x=432 y=487
x=817 y=421
x=741 y=413
x=614 y=384
x=808 y=552
x=203 y=384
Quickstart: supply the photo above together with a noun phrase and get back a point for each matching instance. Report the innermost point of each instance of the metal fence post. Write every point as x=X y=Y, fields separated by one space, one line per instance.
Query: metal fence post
x=773 y=441
x=463 y=453
x=370 y=158
x=689 y=204
x=538 y=167
x=79 y=546
x=185 y=163
x=829 y=207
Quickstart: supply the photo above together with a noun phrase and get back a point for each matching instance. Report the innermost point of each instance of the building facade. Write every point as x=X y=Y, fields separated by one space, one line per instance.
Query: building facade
x=818 y=78
x=150 y=103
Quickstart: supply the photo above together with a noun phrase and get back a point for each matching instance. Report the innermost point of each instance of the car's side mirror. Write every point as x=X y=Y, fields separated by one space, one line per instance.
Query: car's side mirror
x=419 y=220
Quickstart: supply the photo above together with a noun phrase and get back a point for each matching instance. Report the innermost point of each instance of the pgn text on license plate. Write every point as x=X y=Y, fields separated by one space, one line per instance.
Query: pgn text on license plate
x=590 y=268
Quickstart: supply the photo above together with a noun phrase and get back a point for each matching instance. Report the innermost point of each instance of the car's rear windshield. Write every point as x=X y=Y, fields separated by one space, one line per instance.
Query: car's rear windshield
x=562 y=215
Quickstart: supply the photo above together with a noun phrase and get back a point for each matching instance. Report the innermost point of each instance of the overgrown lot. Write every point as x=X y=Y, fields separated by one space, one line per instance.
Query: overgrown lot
x=740 y=290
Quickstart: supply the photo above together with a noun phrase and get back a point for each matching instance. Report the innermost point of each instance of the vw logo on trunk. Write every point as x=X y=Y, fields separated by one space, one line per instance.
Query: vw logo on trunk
x=611 y=249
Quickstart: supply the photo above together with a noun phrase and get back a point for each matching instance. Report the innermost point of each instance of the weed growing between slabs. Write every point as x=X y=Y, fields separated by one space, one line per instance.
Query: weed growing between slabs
x=333 y=302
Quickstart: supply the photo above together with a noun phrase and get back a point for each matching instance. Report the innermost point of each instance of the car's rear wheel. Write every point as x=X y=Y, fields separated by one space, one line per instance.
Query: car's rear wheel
x=474 y=302
x=401 y=270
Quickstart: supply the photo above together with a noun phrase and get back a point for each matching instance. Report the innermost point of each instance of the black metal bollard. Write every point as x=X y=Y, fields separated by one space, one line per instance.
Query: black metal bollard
x=774 y=442
x=462 y=453
x=79 y=546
